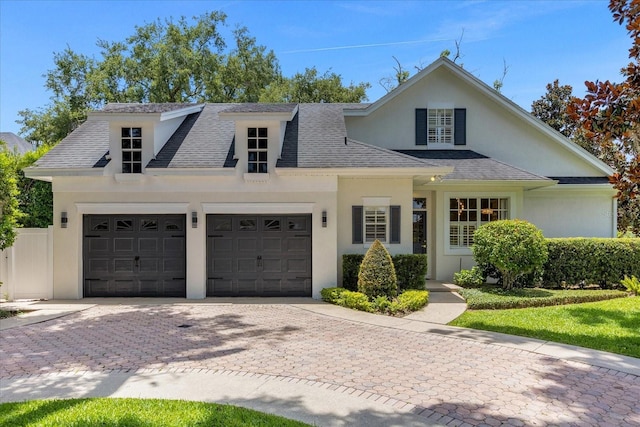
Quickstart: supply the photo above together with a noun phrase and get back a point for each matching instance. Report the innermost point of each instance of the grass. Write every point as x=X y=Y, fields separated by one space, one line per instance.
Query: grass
x=133 y=413
x=612 y=325
x=4 y=314
x=494 y=297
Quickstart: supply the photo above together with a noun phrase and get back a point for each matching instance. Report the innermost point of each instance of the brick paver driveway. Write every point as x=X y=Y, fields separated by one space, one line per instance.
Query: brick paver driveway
x=461 y=380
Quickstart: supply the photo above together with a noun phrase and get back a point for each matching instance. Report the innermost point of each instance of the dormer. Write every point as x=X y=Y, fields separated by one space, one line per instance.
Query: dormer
x=137 y=133
x=259 y=136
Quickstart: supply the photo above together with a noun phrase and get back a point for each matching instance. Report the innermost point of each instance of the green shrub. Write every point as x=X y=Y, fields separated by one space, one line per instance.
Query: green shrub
x=599 y=261
x=514 y=247
x=377 y=275
x=411 y=271
x=413 y=300
x=331 y=294
x=632 y=284
x=469 y=278
x=490 y=297
x=381 y=304
x=350 y=268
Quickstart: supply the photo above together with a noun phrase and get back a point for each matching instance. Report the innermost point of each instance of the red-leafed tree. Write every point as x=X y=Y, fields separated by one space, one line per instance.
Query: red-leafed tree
x=610 y=116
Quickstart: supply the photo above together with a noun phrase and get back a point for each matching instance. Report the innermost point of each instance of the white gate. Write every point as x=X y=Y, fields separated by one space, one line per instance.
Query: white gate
x=26 y=268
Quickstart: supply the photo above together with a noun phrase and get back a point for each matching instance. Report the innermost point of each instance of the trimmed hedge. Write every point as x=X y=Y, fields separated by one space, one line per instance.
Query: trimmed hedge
x=377 y=275
x=411 y=270
x=407 y=302
x=599 y=261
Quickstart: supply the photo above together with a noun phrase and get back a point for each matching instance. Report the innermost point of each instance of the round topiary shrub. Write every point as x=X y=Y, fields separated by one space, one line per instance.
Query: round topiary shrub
x=514 y=247
x=377 y=276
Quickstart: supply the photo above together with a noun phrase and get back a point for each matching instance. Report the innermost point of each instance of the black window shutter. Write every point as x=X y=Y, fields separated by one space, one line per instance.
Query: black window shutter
x=394 y=220
x=421 y=126
x=356 y=224
x=460 y=126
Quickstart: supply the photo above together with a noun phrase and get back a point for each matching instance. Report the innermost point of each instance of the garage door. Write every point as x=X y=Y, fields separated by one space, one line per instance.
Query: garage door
x=134 y=255
x=258 y=255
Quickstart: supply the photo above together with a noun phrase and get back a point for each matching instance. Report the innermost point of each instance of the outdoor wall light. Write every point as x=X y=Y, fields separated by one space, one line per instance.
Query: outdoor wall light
x=63 y=220
x=194 y=219
x=324 y=219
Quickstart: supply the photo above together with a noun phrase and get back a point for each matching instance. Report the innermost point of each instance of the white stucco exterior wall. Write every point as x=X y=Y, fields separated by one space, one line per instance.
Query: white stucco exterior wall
x=183 y=195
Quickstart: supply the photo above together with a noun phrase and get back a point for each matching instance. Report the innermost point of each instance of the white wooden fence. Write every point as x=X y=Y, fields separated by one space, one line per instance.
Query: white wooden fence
x=26 y=268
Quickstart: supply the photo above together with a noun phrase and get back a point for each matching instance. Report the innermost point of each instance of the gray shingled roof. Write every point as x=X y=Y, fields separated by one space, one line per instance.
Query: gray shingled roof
x=82 y=148
x=136 y=107
x=471 y=166
x=261 y=108
x=321 y=143
x=15 y=142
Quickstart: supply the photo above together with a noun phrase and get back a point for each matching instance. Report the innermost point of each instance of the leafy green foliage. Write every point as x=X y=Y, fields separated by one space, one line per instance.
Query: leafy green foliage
x=173 y=61
x=591 y=260
x=469 y=278
x=406 y=302
x=9 y=212
x=612 y=325
x=493 y=297
x=35 y=197
x=412 y=300
x=632 y=284
x=411 y=270
x=133 y=412
x=514 y=247
x=377 y=274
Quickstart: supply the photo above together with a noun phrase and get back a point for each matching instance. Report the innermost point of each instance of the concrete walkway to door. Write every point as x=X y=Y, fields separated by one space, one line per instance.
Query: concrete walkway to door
x=315 y=362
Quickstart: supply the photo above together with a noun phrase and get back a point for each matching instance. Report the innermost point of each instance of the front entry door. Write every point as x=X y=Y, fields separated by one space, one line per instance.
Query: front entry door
x=419 y=226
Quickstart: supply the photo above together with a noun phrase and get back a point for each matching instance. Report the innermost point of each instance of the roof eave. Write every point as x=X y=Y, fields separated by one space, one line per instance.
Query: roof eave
x=367 y=171
x=190 y=171
x=47 y=174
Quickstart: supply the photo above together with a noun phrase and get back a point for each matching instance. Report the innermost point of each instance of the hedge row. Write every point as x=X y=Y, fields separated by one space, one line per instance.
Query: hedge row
x=604 y=262
x=411 y=270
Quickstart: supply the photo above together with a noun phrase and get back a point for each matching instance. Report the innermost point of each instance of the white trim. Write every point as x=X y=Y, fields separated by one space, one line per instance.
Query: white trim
x=257 y=208
x=376 y=201
x=132 y=208
x=484 y=194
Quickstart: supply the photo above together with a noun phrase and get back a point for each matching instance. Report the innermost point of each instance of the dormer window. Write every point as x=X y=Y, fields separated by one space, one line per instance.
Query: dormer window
x=257 y=150
x=131 y=139
x=440 y=126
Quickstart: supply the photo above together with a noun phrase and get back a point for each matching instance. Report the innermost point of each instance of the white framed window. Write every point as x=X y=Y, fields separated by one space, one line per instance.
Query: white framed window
x=440 y=126
x=375 y=223
x=257 y=145
x=466 y=214
x=131 y=143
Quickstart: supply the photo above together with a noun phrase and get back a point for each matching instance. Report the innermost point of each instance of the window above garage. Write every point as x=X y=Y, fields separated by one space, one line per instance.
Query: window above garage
x=131 y=143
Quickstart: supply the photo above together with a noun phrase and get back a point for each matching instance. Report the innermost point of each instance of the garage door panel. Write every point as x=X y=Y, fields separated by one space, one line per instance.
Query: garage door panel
x=222 y=245
x=123 y=244
x=99 y=244
x=258 y=255
x=247 y=286
x=149 y=265
x=134 y=255
x=247 y=244
x=223 y=265
x=123 y=265
x=247 y=265
x=272 y=244
x=272 y=265
x=146 y=244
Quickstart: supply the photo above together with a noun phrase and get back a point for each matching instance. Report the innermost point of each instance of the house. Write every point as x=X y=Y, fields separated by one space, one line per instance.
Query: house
x=196 y=200
x=14 y=142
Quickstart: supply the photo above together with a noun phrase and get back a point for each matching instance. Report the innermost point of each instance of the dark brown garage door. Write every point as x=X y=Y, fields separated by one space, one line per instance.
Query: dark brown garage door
x=258 y=255
x=134 y=255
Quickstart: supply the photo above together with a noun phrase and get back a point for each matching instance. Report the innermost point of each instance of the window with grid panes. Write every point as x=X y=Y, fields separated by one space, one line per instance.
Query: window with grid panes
x=440 y=126
x=375 y=224
x=467 y=214
x=257 y=150
x=131 y=140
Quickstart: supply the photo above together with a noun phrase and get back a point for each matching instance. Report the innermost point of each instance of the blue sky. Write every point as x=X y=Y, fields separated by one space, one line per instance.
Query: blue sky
x=540 y=41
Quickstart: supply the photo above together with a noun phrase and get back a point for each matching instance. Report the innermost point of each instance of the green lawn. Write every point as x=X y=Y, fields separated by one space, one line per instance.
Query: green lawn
x=612 y=325
x=133 y=413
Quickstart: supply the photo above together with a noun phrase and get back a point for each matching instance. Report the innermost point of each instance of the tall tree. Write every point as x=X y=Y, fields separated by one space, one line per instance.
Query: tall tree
x=172 y=61
x=610 y=115
x=9 y=212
